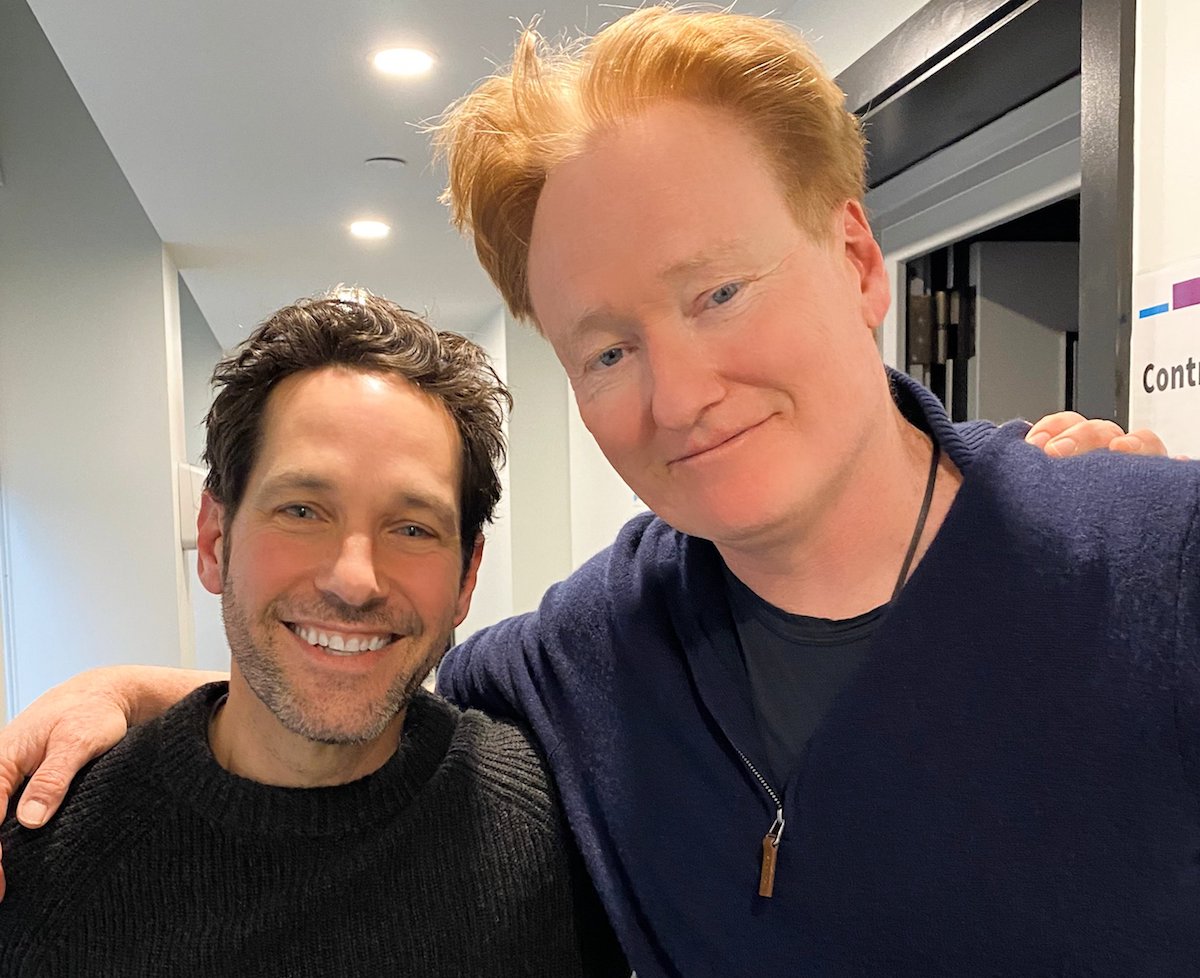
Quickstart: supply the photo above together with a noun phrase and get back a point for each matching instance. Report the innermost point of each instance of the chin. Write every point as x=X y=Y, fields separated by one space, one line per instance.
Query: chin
x=333 y=713
x=721 y=527
x=729 y=516
x=328 y=727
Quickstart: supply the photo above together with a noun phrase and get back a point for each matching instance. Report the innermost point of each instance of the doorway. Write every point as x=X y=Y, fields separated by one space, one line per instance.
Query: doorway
x=991 y=321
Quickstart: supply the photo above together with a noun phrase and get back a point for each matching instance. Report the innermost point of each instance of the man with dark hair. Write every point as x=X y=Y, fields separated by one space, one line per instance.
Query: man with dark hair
x=319 y=813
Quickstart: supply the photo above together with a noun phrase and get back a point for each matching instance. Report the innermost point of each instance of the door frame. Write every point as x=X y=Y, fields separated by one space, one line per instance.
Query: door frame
x=909 y=92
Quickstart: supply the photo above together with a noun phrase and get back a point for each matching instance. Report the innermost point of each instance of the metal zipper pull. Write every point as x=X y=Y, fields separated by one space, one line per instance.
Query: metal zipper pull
x=770 y=844
x=770 y=853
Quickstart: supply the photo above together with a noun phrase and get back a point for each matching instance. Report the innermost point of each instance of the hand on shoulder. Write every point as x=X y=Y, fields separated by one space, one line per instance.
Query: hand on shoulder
x=1068 y=433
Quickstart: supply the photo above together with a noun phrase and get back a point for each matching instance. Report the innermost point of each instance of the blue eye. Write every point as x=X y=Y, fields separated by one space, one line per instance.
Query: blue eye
x=610 y=357
x=725 y=293
x=416 y=532
x=300 y=511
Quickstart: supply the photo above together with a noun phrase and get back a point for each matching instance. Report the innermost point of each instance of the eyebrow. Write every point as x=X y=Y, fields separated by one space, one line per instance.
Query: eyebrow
x=408 y=498
x=290 y=481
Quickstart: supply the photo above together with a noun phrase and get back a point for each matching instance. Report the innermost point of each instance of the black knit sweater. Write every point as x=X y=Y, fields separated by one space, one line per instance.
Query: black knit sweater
x=451 y=860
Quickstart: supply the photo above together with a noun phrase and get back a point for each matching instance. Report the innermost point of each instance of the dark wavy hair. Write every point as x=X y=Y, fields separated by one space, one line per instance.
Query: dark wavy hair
x=355 y=329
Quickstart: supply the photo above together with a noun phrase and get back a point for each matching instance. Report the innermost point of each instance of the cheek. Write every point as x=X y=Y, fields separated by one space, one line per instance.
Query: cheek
x=789 y=348
x=617 y=425
x=616 y=409
x=265 y=566
x=429 y=583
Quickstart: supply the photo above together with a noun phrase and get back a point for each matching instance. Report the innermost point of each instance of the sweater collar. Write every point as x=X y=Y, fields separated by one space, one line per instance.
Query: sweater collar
x=921 y=407
x=189 y=772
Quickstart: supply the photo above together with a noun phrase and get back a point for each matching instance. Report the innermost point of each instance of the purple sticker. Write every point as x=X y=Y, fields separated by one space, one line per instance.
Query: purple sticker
x=1186 y=293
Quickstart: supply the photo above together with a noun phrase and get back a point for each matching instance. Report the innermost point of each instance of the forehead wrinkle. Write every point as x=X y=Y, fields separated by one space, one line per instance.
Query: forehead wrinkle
x=723 y=251
x=597 y=317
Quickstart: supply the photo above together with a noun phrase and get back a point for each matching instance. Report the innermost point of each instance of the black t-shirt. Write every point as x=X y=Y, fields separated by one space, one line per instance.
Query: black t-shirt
x=796 y=666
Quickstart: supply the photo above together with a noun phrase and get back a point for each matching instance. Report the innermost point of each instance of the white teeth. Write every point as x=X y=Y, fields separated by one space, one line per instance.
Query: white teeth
x=340 y=644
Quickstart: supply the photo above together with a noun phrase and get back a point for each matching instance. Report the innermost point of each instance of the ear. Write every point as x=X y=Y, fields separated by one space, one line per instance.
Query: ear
x=210 y=543
x=862 y=251
x=470 y=575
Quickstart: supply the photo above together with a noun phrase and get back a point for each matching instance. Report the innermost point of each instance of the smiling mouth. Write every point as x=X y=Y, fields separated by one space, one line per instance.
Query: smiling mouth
x=700 y=452
x=341 y=643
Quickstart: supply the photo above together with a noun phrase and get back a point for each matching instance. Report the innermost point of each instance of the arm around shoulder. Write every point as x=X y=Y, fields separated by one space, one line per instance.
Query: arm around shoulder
x=64 y=728
x=489 y=669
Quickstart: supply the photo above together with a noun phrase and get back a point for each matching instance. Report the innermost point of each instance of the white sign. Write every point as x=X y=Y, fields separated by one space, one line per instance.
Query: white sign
x=1164 y=368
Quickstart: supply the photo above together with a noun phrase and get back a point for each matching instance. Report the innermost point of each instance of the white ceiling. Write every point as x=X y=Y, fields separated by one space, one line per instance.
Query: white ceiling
x=242 y=126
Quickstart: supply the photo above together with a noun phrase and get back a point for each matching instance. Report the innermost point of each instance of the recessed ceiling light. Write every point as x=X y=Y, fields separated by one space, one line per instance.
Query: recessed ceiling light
x=369 y=229
x=408 y=62
x=386 y=162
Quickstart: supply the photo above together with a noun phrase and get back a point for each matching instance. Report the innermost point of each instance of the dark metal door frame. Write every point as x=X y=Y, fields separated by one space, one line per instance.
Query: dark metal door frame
x=956 y=65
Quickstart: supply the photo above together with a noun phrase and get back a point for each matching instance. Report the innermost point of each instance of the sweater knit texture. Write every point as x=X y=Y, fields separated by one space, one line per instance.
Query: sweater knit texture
x=1009 y=786
x=450 y=860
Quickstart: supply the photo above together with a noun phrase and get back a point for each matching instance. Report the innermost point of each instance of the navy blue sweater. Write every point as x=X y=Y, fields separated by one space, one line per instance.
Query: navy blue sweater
x=1010 y=786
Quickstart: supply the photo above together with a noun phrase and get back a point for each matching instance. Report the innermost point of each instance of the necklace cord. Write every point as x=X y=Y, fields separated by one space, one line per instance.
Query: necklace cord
x=919 y=529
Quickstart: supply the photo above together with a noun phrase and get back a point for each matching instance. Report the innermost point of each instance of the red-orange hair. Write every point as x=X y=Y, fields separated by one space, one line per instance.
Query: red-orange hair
x=502 y=139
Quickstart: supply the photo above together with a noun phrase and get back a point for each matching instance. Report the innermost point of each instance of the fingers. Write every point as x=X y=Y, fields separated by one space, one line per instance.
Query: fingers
x=66 y=753
x=44 y=794
x=1140 y=442
x=1078 y=438
x=55 y=736
x=18 y=757
x=1087 y=436
x=1067 y=433
x=1051 y=426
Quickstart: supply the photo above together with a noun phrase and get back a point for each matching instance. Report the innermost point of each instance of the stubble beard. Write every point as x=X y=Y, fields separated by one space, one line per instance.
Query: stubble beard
x=358 y=721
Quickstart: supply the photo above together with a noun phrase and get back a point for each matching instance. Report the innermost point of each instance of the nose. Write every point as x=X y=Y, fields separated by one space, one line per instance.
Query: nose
x=350 y=575
x=684 y=380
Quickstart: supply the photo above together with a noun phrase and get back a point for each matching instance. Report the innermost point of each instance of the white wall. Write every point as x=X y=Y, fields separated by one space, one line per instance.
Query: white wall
x=1166 y=204
x=842 y=32
x=539 y=472
x=1028 y=299
x=201 y=351
x=1167 y=140
x=89 y=382
x=493 y=599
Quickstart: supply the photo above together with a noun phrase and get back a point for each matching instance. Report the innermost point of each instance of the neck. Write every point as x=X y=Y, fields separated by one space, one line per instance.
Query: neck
x=247 y=740
x=843 y=560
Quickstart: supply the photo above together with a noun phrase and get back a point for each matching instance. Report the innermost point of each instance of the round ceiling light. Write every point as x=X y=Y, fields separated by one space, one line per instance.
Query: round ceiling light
x=370 y=230
x=407 y=62
x=386 y=162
